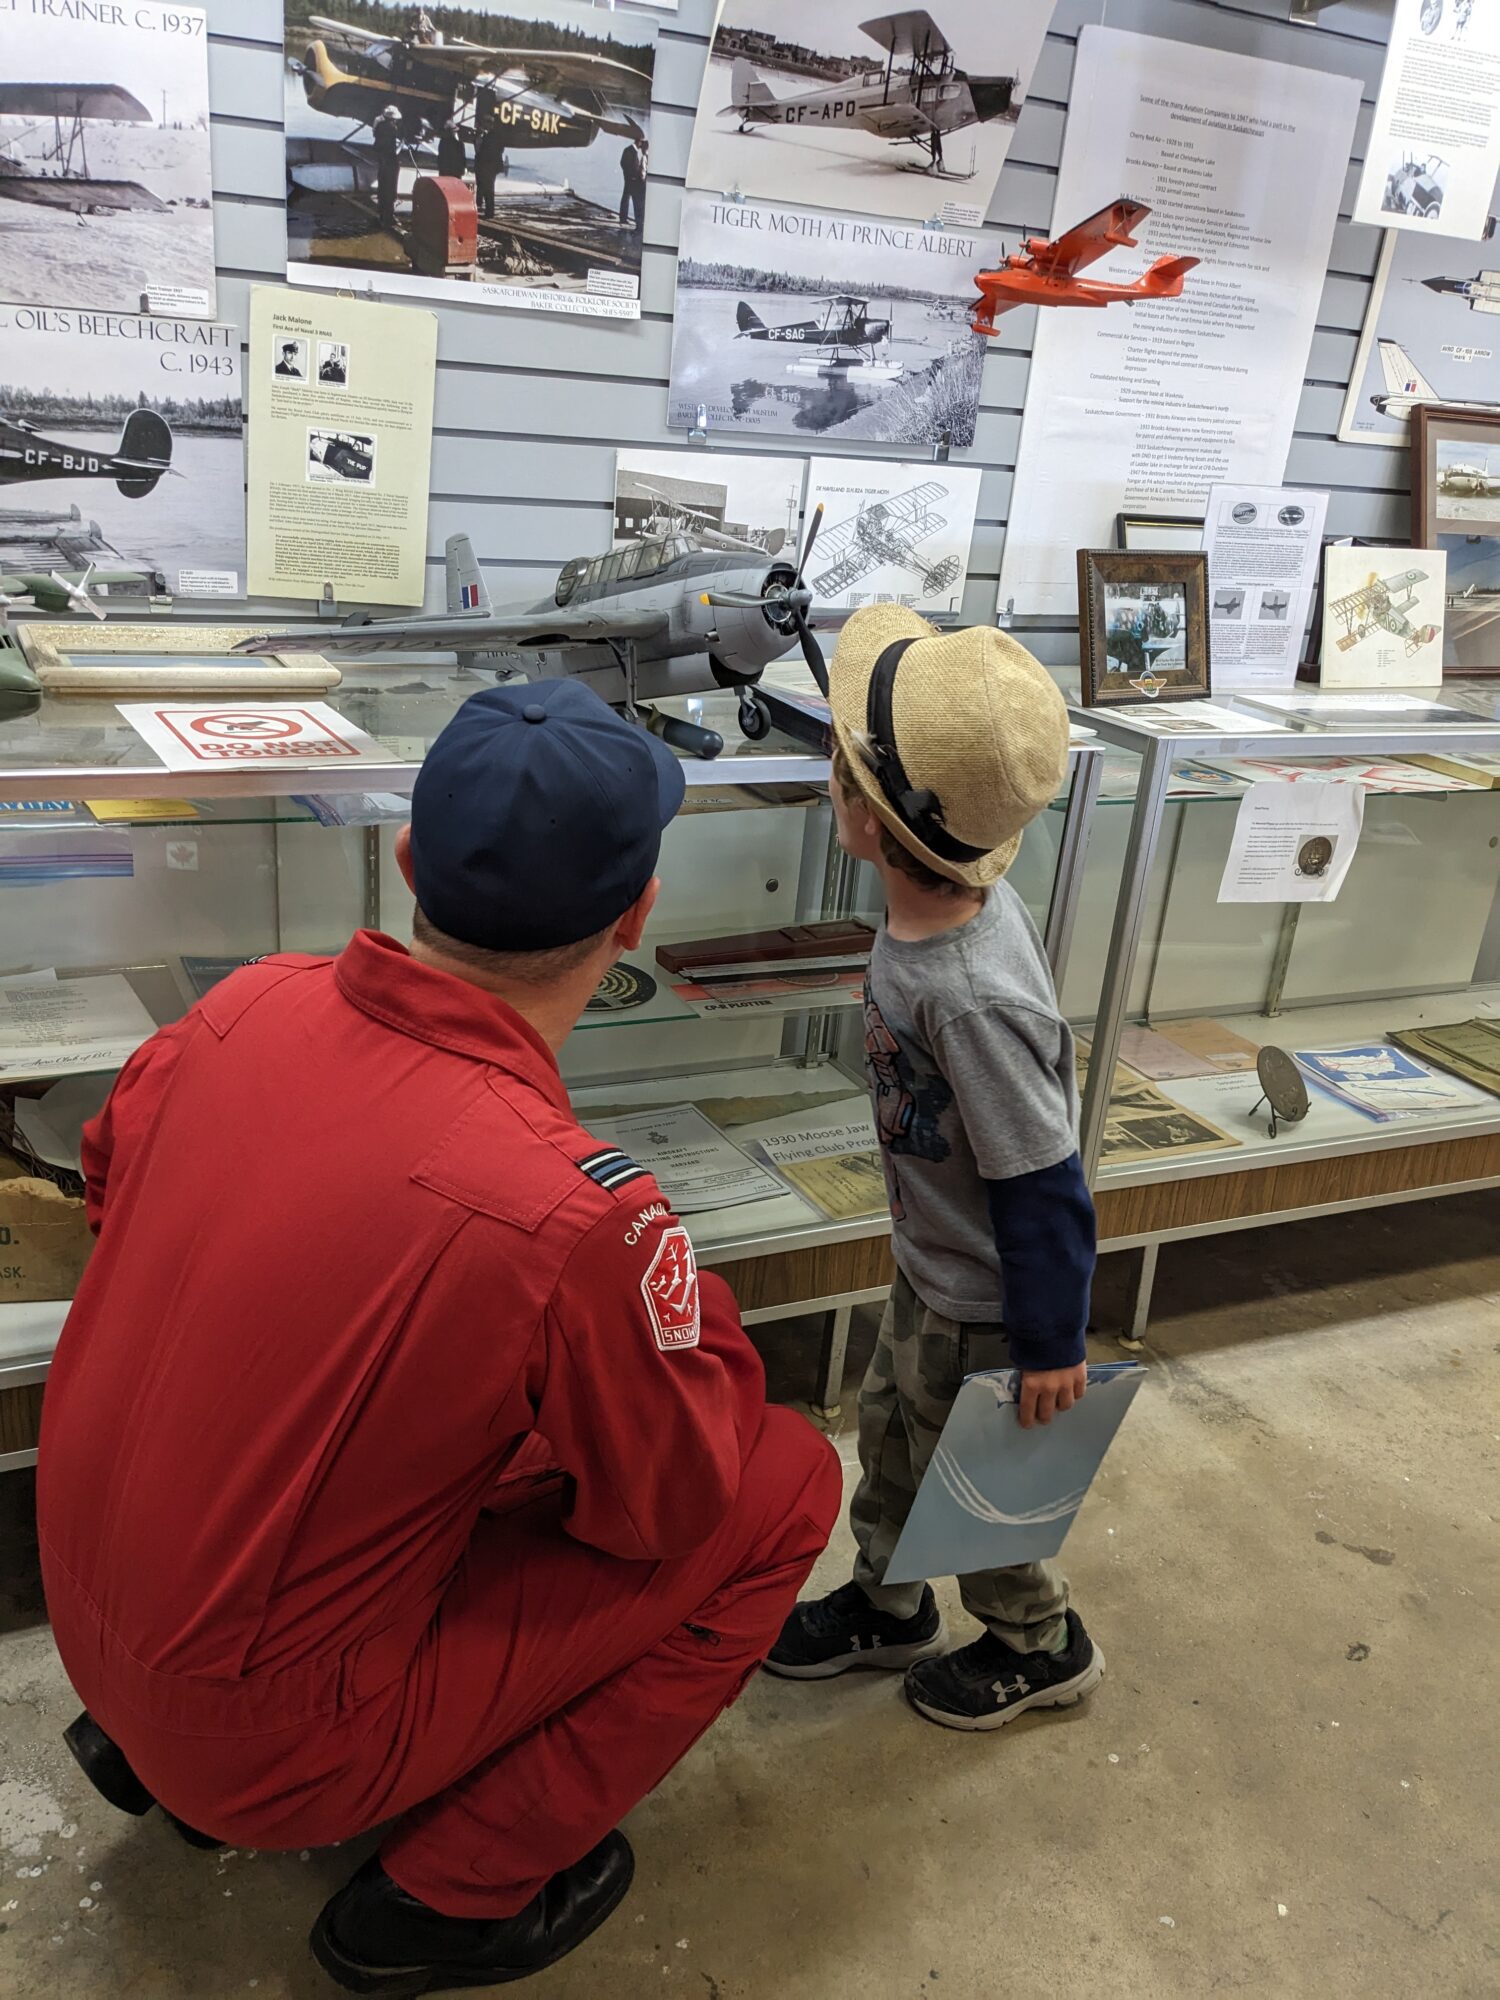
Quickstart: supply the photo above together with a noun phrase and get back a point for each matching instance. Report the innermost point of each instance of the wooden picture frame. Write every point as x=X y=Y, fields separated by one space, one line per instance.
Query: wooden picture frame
x=1446 y=440
x=1142 y=627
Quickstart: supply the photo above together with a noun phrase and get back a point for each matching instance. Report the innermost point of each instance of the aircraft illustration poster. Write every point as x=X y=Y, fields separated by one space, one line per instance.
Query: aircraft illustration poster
x=892 y=534
x=121 y=444
x=1431 y=332
x=1383 y=617
x=1434 y=145
x=909 y=113
x=762 y=345
x=735 y=501
x=542 y=109
x=105 y=179
x=1146 y=407
x=340 y=447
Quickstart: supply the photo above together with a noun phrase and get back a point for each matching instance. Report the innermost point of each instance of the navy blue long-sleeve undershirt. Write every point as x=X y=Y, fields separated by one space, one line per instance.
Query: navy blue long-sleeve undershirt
x=1045 y=1235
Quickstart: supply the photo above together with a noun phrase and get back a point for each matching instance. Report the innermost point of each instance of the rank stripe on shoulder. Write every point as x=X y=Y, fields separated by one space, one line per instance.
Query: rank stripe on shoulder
x=611 y=1169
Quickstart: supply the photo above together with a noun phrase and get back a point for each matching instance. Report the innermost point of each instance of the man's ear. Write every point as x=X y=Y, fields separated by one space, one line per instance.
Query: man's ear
x=631 y=927
x=403 y=857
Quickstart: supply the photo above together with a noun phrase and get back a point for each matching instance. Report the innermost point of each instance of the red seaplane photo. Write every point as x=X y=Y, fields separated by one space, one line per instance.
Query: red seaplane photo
x=1046 y=274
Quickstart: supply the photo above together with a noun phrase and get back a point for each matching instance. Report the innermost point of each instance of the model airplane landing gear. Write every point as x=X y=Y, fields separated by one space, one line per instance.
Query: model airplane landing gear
x=691 y=737
x=755 y=717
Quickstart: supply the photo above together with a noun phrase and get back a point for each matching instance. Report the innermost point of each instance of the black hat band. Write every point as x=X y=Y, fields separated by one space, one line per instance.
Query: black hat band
x=919 y=811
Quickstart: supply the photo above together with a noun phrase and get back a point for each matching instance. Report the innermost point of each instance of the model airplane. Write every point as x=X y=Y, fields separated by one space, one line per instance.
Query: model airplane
x=887 y=532
x=845 y=335
x=1045 y=273
x=144 y=456
x=1406 y=386
x=1482 y=291
x=70 y=106
x=922 y=94
x=541 y=97
x=64 y=590
x=650 y=620
x=1374 y=606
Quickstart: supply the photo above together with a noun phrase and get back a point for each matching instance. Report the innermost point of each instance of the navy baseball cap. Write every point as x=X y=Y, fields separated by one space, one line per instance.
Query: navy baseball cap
x=537 y=817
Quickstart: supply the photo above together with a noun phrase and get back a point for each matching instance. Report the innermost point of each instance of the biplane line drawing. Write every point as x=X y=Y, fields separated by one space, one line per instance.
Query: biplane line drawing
x=887 y=533
x=1384 y=604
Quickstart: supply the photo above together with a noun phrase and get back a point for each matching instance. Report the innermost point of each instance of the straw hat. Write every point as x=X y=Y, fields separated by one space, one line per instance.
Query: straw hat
x=978 y=724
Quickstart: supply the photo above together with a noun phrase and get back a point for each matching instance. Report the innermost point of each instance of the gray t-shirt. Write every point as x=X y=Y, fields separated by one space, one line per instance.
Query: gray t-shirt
x=971 y=1073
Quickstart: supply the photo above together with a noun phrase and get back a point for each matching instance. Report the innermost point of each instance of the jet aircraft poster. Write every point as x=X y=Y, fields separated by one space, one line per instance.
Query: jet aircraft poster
x=765 y=340
x=105 y=180
x=542 y=108
x=1431 y=332
x=734 y=501
x=121 y=444
x=892 y=534
x=909 y=113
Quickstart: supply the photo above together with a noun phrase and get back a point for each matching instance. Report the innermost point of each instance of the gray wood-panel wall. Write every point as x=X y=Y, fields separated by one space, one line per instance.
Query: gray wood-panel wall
x=530 y=407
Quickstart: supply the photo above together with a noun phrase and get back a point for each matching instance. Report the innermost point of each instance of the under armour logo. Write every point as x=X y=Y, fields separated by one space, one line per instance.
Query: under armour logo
x=1005 y=1689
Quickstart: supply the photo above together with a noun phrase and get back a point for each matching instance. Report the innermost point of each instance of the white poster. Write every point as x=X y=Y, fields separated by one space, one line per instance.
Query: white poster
x=1434 y=146
x=908 y=113
x=122 y=444
x=106 y=188
x=731 y=501
x=891 y=534
x=1263 y=546
x=340 y=446
x=1383 y=617
x=1145 y=407
x=1292 y=843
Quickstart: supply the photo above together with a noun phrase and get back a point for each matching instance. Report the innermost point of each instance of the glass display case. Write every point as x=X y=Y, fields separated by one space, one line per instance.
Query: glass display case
x=1379 y=1001
x=742 y=1087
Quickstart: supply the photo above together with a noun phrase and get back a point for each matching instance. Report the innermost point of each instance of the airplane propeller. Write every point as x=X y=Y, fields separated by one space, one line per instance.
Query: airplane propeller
x=786 y=601
x=78 y=593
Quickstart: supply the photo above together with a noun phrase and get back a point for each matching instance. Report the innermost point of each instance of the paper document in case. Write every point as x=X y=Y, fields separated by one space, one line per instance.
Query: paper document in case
x=994 y=1494
x=66 y=1027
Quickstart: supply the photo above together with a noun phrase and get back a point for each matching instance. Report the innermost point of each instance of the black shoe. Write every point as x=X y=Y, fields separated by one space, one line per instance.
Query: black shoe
x=986 y=1685
x=829 y=1635
x=107 y=1769
x=374 y=1938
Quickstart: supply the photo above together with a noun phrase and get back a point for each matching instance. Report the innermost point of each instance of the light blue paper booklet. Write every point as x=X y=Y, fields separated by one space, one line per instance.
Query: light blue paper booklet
x=995 y=1494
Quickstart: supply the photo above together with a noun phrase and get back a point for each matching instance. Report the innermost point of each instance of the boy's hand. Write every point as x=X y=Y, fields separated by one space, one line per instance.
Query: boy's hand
x=1050 y=1390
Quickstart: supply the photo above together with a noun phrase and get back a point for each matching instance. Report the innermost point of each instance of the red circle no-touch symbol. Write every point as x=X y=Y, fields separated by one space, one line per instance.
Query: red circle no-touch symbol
x=245 y=726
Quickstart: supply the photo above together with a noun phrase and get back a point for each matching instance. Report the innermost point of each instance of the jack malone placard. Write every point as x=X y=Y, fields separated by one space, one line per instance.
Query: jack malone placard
x=136 y=423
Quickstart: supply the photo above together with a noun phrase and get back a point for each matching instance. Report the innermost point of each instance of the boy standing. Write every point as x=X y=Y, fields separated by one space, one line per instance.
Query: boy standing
x=945 y=748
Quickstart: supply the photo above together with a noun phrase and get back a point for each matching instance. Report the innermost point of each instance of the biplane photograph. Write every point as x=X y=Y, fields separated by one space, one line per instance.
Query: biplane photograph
x=1045 y=273
x=908 y=113
x=487 y=154
x=107 y=456
x=893 y=534
x=742 y=502
x=762 y=344
x=105 y=180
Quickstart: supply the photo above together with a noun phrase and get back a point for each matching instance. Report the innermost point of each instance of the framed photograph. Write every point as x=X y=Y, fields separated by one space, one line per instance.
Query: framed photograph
x=1455 y=507
x=1170 y=533
x=1142 y=626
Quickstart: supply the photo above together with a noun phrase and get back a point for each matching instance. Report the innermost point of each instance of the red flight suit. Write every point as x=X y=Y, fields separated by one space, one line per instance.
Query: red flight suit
x=396 y=1461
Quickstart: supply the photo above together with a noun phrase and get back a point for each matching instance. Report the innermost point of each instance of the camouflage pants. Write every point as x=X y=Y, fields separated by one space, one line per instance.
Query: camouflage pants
x=919 y=1362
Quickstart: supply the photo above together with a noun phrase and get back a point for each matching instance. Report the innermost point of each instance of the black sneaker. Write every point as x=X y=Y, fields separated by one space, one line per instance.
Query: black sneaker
x=986 y=1685
x=107 y=1769
x=374 y=1938
x=829 y=1635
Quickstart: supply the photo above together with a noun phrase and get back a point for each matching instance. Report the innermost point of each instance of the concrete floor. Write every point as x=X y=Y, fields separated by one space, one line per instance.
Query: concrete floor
x=1289 y=1783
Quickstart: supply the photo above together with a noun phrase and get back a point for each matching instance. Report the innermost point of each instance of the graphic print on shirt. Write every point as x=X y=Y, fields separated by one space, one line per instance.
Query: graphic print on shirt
x=908 y=1105
x=670 y=1289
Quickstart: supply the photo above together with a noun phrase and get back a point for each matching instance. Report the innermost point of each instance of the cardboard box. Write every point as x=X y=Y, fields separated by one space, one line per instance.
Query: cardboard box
x=44 y=1239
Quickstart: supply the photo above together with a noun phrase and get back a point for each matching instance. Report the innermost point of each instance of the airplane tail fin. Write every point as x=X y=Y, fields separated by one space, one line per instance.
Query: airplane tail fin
x=748 y=320
x=748 y=89
x=1402 y=375
x=1164 y=279
x=147 y=439
x=466 y=591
